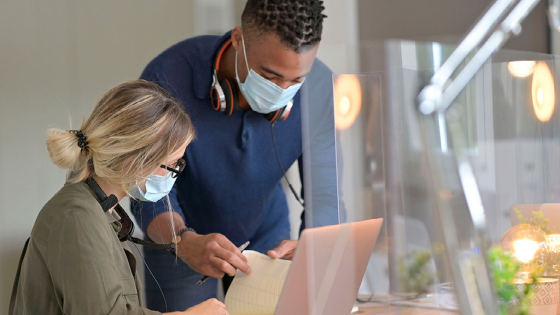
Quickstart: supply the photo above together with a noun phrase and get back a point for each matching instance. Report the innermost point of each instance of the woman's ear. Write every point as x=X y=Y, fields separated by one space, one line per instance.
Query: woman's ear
x=127 y=162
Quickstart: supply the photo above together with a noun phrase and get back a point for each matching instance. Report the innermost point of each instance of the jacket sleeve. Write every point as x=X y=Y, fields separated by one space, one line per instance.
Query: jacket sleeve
x=87 y=276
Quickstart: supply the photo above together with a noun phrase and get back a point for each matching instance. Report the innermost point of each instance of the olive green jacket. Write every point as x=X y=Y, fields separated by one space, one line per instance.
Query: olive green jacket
x=75 y=263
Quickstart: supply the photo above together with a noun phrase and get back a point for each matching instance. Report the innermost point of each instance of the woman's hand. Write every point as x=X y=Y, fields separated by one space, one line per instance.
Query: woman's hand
x=208 y=307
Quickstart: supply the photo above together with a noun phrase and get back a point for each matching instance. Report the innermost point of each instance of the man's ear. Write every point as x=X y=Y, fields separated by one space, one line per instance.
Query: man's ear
x=236 y=37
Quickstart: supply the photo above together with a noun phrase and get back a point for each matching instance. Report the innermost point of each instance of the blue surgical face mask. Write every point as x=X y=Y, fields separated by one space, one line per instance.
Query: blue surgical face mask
x=263 y=95
x=157 y=187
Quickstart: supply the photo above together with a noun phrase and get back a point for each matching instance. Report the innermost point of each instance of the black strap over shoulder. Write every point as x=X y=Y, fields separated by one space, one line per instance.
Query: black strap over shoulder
x=127 y=229
x=105 y=202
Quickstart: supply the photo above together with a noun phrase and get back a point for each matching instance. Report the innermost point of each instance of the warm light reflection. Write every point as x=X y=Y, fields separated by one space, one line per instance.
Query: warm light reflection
x=344 y=105
x=525 y=250
x=522 y=69
x=553 y=243
x=347 y=100
x=543 y=93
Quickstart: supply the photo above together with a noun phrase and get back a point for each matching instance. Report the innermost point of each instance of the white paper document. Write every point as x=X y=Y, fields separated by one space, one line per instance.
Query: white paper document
x=259 y=292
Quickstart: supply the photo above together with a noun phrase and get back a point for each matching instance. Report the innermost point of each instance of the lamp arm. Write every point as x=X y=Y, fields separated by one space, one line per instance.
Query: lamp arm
x=553 y=14
x=442 y=90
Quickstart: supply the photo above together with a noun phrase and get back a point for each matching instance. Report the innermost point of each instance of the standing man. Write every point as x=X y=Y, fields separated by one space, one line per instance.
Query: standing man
x=246 y=93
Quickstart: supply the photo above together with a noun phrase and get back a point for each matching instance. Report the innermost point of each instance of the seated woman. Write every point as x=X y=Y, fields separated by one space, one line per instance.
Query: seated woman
x=74 y=261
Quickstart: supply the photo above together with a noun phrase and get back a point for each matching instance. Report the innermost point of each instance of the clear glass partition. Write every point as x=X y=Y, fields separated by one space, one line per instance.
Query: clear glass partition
x=448 y=185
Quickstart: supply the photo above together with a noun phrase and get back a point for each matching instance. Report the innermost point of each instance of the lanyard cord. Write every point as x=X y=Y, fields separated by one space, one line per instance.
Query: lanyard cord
x=298 y=198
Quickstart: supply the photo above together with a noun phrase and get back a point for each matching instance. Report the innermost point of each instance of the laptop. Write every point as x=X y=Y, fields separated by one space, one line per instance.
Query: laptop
x=327 y=269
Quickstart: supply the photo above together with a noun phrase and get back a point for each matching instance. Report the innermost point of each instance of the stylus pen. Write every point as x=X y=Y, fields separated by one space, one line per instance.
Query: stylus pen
x=241 y=248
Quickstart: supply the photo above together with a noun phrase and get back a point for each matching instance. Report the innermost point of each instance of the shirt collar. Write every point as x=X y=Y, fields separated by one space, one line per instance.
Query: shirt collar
x=203 y=68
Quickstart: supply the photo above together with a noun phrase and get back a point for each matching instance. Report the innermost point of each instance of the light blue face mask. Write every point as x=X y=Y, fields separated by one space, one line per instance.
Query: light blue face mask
x=157 y=187
x=263 y=95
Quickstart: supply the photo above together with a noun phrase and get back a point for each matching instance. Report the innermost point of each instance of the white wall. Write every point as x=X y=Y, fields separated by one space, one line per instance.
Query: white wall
x=56 y=59
x=339 y=44
x=338 y=50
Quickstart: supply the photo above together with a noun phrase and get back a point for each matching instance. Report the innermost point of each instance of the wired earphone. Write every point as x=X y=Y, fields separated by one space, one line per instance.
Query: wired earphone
x=125 y=234
x=224 y=96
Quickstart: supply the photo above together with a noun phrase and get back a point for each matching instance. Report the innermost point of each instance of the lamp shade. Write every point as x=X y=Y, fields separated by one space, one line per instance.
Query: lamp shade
x=542 y=92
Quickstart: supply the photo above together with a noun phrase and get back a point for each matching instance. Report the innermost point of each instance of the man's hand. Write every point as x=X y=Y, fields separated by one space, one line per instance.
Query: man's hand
x=285 y=250
x=212 y=255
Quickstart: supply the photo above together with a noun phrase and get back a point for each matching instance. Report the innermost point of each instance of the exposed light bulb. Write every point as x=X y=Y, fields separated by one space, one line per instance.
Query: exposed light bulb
x=525 y=250
x=527 y=244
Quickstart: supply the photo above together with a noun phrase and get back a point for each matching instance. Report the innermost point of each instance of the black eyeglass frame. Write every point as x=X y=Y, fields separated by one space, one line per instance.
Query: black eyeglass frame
x=179 y=167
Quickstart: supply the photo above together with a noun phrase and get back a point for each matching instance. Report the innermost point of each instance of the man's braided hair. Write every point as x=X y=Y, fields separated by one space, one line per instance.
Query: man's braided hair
x=298 y=23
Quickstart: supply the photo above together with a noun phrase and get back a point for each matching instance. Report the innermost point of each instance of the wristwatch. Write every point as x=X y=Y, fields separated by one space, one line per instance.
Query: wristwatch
x=177 y=238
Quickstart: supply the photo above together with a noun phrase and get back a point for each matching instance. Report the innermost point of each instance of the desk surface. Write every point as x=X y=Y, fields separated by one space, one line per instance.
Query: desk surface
x=401 y=310
x=386 y=304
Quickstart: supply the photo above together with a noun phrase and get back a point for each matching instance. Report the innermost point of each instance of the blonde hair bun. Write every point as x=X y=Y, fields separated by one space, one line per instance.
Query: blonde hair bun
x=63 y=148
x=133 y=128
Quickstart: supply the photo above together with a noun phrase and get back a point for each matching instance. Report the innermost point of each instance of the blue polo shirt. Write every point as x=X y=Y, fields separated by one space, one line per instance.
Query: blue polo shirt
x=231 y=183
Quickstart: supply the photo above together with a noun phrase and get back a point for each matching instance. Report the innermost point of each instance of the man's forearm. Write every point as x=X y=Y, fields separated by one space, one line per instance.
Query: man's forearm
x=160 y=231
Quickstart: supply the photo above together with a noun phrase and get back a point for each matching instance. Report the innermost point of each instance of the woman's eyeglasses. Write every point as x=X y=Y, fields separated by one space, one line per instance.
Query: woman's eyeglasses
x=175 y=169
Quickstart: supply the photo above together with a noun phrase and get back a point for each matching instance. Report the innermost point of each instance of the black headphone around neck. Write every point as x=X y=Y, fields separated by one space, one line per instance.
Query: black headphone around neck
x=125 y=234
x=224 y=93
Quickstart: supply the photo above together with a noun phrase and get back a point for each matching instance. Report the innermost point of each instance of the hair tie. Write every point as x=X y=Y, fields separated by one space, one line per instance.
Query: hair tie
x=82 y=140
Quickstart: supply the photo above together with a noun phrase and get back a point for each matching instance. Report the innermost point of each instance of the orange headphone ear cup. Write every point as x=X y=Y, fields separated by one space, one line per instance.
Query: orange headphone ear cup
x=215 y=97
x=285 y=113
x=275 y=116
x=230 y=93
